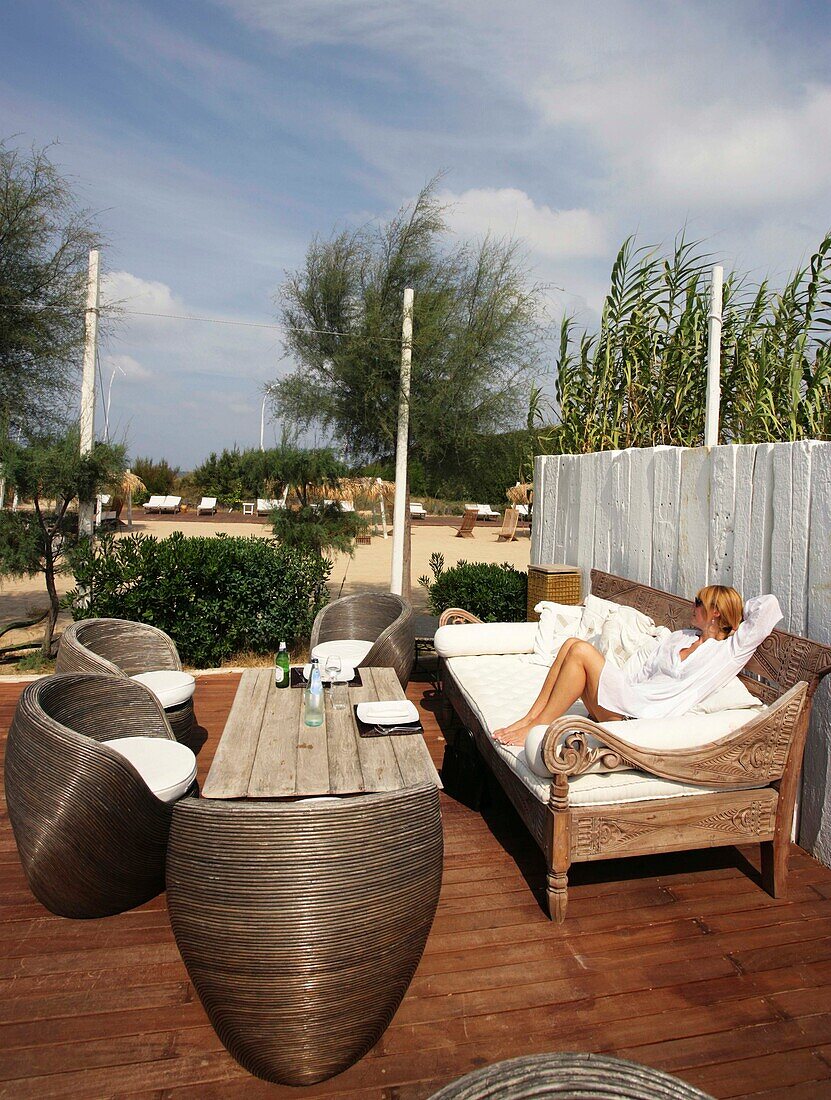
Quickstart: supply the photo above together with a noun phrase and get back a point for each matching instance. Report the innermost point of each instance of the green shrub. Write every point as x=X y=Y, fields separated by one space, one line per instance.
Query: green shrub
x=317 y=529
x=494 y=593
x=213 y=596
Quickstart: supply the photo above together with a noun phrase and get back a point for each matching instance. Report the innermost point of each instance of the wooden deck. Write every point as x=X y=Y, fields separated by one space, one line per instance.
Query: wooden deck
x=679 y=962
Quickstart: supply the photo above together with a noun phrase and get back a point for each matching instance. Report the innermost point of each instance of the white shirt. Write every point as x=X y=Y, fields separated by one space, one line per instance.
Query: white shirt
x=661 y=685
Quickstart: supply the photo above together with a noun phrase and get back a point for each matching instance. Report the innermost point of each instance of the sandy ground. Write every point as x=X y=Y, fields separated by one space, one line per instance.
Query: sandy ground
x=369 y=568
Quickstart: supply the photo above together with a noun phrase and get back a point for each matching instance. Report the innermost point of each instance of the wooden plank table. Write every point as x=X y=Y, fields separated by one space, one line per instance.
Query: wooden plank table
x=267 y=751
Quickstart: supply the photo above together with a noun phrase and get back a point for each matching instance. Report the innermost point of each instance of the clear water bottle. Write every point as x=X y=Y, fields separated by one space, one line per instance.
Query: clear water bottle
x=282 y=668
x=313 y=715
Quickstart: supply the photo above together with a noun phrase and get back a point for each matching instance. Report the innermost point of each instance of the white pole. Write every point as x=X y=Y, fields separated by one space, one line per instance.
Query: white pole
x=714 y=360
x=86 y=507
x=397 y=578
x=383 y=507
x=262 y=424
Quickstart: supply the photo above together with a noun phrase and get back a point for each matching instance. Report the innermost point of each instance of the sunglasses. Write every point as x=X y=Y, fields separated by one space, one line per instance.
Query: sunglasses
x=698 y=602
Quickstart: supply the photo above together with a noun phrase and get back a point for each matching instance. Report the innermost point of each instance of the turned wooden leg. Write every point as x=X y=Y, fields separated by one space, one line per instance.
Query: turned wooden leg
x=775 y=855
x=557 y=889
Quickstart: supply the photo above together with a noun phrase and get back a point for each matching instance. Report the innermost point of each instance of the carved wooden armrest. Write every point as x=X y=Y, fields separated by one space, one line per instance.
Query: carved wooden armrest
x=454 y=615
x=753 y=755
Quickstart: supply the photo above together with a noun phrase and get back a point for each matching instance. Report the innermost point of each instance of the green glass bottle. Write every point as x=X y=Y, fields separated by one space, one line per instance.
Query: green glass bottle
x=282 y=668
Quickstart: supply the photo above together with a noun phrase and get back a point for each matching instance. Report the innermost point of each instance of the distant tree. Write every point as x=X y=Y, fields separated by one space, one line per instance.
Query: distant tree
x=475 y=342
x=50 y=472
x=159 y=477
x=236 y=475
x=45 y=240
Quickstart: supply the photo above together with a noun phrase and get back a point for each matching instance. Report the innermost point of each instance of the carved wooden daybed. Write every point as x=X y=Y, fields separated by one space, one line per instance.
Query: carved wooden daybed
x=759 y=762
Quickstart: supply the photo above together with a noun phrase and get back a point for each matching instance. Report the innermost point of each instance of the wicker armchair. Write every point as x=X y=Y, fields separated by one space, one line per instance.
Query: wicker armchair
x=301 y=924
x=119 y=647
x=379 y=617
x=90 y=834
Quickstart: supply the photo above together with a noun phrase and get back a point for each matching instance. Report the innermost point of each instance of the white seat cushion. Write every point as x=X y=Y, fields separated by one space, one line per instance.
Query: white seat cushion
x=476 y=639
x=350 y=650
x=167 y=767
x=500 y=689
x=170 y=688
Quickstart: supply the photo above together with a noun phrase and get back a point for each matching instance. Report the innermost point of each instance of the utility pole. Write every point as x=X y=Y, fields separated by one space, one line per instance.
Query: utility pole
x=86 y=508
x=398 y=584
x=711 y=416
x=262 y=424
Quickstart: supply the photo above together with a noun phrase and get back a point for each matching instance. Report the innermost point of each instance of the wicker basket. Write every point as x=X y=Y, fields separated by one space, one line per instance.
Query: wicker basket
x=558 y=583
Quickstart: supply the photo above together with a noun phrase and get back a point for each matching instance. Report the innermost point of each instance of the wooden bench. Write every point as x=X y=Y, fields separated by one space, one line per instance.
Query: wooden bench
x=761 y=761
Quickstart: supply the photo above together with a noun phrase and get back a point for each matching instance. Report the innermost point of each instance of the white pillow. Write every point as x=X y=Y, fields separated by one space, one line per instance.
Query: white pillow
x=733 y=696
x=558 y=621
x=478 y=639
x=649 y=733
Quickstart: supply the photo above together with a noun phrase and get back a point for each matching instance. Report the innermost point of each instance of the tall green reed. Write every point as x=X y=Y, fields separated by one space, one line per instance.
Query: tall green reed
x=640 y=381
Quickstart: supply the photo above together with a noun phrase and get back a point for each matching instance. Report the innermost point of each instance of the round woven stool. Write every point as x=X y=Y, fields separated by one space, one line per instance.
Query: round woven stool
x=571 y=1077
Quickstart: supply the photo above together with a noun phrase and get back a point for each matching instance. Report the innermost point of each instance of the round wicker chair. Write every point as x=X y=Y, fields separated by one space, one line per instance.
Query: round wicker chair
x=90 y=834
x=301 y=923
x=119 y=647
x=569 y=1077
x=378 y=617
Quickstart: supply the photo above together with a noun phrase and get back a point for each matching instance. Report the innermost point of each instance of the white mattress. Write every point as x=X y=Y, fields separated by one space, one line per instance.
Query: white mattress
x=501 y=688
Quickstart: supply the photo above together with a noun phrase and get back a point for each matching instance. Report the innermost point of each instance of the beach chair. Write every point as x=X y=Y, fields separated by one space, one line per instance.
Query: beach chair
x=486 y=512
x=468 y=523
x=155 y=504
x=206 y=504
x=417 y=510
x=509 y=522
x=171 y=504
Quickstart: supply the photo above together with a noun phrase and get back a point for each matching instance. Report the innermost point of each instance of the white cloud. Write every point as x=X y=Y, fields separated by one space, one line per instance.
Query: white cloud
x=127 y=366
x=130 y=292
x=510 y=212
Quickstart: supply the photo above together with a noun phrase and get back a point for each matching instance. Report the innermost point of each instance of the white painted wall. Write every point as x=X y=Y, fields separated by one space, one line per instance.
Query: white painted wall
x=757 y=517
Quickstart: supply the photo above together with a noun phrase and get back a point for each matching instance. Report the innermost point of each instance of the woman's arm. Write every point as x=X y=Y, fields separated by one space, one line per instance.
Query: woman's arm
x=761 y=614
x=644 y=663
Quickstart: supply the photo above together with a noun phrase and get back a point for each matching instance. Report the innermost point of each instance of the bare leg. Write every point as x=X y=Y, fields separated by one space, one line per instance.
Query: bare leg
x=539 y=704
x=578 y=678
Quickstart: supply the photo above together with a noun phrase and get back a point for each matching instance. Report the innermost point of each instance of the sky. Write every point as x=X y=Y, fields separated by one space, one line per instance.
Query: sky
x=215 y=139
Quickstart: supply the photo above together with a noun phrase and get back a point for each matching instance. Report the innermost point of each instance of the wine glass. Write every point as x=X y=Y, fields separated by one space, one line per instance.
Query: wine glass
x=334 y=669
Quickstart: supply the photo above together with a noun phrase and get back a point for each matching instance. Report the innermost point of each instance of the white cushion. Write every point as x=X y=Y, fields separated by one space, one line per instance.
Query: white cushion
x=557 y=622
x=500 y=689
x=475 y=639
x=350 y=650
x=733 y=696
x=687 y=732
x=170 y=688
x=167 y=767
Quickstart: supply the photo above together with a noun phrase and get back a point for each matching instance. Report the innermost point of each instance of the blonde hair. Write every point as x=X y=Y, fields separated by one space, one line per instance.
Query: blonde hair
x=726 y=602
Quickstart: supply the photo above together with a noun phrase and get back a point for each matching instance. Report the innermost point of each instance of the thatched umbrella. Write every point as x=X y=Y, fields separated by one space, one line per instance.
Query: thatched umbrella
x=352 y=488
x=519 y=493
x=130 y=483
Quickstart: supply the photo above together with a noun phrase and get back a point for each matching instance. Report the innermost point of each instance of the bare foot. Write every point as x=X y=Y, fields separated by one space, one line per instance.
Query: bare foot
x=511 y=736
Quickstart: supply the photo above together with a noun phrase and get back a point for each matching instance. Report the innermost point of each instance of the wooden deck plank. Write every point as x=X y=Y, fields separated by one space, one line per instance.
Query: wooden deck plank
x=679 y=962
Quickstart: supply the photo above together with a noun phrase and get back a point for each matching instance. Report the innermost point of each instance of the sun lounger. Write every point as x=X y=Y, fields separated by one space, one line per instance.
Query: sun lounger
x=468 y=523
x=509 y=522
x=171 y=504
x=265 y=507
x=417 y=510
x=155 y=504
x=486 y=512
x=206 y=504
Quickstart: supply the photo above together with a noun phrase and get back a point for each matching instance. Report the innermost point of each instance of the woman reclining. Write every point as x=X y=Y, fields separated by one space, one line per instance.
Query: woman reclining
x=685 y=668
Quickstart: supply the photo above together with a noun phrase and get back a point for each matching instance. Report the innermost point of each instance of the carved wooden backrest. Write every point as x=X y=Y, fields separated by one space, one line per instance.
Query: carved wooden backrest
x=781 y=661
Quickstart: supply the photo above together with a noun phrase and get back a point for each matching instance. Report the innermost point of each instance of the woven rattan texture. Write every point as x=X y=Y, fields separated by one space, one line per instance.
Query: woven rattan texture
x=120 y=647
x=90 y=834
x=557 y=587
x=301 y=924
x=570 y=1077
x=382 y=618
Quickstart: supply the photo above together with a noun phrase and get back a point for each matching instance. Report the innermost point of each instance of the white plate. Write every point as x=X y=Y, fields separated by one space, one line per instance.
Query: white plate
x=346 y=674
x=391 y=712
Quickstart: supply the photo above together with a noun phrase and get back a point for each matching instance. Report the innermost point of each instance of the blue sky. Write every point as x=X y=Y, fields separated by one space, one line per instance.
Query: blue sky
x=216 y=138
